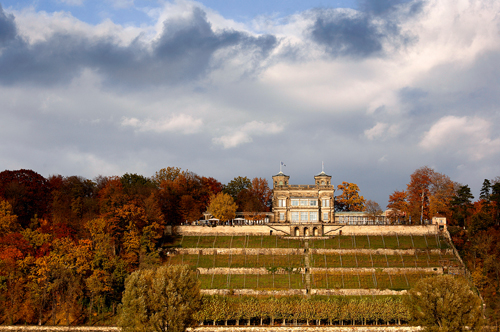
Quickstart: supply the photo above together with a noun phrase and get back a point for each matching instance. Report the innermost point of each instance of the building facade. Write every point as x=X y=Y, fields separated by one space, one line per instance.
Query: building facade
x=305 y=207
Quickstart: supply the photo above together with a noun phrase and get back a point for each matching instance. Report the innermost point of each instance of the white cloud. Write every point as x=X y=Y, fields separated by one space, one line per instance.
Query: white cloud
x=73 y=2
x=465 y=135
x=244 y=133
x=177 y=123
x=382 y=130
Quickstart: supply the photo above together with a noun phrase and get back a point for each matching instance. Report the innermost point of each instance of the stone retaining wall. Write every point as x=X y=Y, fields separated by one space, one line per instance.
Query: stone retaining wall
x=263 y=270
x=381 y=230
x=290 y=292
x=232 y=230
x=23 y=328
x=291 y=251
x=221 y=329
x=308 y=329
x=328 y=229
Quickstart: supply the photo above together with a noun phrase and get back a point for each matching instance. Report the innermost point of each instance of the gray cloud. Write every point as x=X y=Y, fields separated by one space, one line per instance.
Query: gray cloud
x=182 y=53
x=364 y=33
x=8 y=29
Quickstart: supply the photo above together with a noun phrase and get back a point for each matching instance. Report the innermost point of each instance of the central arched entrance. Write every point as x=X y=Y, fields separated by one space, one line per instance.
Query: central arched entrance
x=306 y=231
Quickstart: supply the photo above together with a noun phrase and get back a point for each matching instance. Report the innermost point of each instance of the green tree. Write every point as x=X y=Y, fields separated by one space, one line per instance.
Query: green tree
x=445 y=303
x=461 y=204
x=485 y=190
x=160 y=299
x=236 y=185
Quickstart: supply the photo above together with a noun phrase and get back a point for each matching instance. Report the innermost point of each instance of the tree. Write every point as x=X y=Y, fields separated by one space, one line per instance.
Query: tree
x=27 y=192
x=373 y=210
x=160 y=299
x=166 y=174
x=260 y=189
x=461 y=204
x=445 y=303
x=428 y=194
x=485 y=190
x=8 y=220
x=398 y=206
x=222 y=207
x=349 y=200
x=236 y=185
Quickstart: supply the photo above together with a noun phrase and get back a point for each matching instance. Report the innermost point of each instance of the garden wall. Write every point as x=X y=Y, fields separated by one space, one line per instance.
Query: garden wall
x=284 y=229
x=222 y=329
x=263 y=270
x=309 y=329
x=292 y=251
x=232 y=230
x=380 y=230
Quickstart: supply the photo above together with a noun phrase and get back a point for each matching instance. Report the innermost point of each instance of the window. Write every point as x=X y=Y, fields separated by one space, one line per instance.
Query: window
x=303 y=216
x=325 y=215
x=281 y=183
x=313 y=216
x=313 y=203
x=325 y=203
x=303 y=202
x=295 y=202
x=282 y=203
x=282 y=216
x=295 y=216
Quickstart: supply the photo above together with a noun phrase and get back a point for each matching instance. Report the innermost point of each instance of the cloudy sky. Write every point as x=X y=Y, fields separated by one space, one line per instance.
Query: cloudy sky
x=374 y=88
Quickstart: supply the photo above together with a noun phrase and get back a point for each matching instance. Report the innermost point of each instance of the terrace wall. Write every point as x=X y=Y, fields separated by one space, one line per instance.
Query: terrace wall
x=329 y=229
x=292 y=251
x=380 y=230
x=221 y=329
x=308 y=328
x=232 y=230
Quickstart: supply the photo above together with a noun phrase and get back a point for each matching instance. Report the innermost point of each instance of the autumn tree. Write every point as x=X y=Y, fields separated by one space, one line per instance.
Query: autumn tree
x=222 y=207
x=8 y=220
x=166 y=174
x=398 y=206
x=74 y=201
x=445 y=303
x=260 y=189
x=27 y=192
x=349 y=200
x=428 y=194
x=160 y=299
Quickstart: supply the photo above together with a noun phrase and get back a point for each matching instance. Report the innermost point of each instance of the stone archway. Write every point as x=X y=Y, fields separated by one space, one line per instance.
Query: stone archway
x=306 y=231
x=296 y=231
x=315 y=231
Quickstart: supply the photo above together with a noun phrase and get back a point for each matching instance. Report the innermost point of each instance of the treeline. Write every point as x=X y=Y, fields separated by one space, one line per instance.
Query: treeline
x=473 y=224
x=68 y=243
x=246 y=310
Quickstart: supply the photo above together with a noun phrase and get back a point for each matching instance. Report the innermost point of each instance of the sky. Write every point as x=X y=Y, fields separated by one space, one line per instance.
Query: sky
x=371 y=89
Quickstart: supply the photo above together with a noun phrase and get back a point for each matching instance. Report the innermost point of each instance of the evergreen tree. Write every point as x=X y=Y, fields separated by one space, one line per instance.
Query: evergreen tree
x=485 y=190
x=461 y=204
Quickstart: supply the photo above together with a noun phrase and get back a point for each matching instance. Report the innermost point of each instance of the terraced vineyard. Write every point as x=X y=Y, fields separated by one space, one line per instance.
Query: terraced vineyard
x=312 y=265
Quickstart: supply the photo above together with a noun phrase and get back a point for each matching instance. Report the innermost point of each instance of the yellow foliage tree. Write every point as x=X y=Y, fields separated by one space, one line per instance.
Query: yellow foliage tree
x=349 y=200
x=8 y=220
x=222 y=206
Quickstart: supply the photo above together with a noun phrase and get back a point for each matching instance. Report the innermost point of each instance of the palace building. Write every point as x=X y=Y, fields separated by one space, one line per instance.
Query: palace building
x=305 y=207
